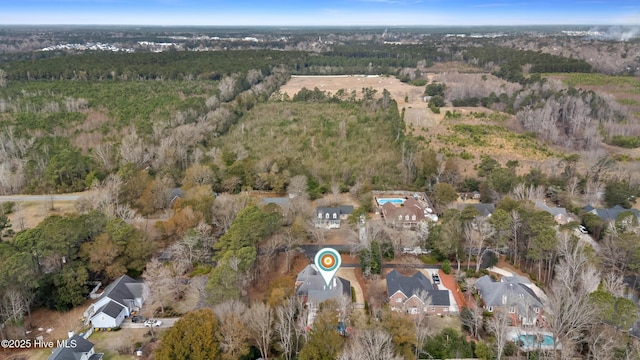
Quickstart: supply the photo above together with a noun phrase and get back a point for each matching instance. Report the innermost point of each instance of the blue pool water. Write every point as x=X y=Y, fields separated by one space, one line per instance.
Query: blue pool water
x=383 y=201
x=531 y=341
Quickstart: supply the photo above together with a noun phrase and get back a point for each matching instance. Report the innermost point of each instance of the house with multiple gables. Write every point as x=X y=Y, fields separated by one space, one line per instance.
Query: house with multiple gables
x=312 y=290
x=412 y=294
x=512 y=294
x=559 y=214
x=409 y=214
x=118 y=301
x=611 y=214
x=76 y=348
x=332 y=217
x=485 y=210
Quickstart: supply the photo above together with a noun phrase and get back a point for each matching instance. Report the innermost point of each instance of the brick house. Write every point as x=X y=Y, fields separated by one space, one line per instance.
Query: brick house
x=408 y=294
x=409 y=214
x=513 y=295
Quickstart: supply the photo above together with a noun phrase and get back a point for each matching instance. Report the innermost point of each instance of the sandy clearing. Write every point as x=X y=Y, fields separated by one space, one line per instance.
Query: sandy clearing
x=399 y=90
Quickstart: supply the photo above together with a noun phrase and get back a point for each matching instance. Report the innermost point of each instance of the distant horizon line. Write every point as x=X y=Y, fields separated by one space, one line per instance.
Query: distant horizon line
x=325 y=26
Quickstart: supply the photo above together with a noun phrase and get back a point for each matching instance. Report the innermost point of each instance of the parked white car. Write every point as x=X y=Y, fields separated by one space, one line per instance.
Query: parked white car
x=152 y=322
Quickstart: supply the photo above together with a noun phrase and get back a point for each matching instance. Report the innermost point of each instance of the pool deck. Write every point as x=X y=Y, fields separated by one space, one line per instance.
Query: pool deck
x=515 y=333
x=396 y=201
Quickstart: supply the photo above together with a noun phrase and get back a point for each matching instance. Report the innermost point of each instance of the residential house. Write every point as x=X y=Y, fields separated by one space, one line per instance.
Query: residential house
x=311 y=287
x=559 y=213
x=408 y=214
x=611 y=214
x=77 y=348
x=118 y=301
x=416 y=293
x=283 y=202
x=512 y=294
x=331 y=217
x=485 y=210
x=176 y=194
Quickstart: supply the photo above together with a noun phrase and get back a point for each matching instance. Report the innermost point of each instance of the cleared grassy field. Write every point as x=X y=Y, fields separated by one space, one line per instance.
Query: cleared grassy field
x=625 y=89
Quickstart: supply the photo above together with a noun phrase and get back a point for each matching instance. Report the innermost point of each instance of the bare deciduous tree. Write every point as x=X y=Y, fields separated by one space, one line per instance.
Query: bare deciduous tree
x=104 y=154
x=259 y=321
x=298 y=186
x=134 y=150
x=602 y=342
x=370 y=344
x=498 y=325
x=227 y=88
x=533 y=193
x=233 y=330
x=193 y=248
x=285 y=326
x=14 y=304
x=569 y=311
x=160 y=281
x=212 y=102
x=614 y=284
x=226 y=208
x=423 y=330
x=472 y=320
x=254 y=76
x=478 y=237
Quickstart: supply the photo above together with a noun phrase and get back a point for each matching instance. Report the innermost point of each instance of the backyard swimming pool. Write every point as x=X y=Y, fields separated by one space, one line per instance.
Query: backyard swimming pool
x=532 y=341
x=396 y=201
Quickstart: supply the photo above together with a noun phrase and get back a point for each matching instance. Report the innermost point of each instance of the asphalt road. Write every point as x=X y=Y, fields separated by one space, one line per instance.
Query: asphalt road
x=38 y=198
x=310 y=250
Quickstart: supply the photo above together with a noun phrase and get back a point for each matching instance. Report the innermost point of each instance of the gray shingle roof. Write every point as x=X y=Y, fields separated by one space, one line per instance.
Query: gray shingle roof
x=555 y=211
x=112 y=309
x=610 y=214
x=509 y=292
x=124 y=288
x=82 y=346
x=339 y=210
x=311 y=284
x=411 y=285
x=280 y=201
x=484 y=209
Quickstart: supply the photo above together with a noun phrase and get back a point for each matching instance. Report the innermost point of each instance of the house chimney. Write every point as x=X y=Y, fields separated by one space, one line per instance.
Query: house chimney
x=71 y=333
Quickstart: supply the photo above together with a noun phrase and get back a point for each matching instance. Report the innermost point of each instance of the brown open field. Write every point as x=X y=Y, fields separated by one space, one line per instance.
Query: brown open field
x=435 y=129
x=332 y=84
x=27 y=215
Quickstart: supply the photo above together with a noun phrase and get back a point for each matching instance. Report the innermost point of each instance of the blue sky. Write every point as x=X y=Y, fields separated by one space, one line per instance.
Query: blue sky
x=328 y=12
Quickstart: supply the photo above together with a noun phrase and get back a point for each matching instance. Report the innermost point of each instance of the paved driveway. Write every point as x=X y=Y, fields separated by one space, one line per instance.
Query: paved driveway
x=166 y=323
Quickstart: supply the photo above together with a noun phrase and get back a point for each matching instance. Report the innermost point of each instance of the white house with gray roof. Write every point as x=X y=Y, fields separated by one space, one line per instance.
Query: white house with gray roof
x=512 y=294
x=331 y=217
x=76 y=348
x=117 y=302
